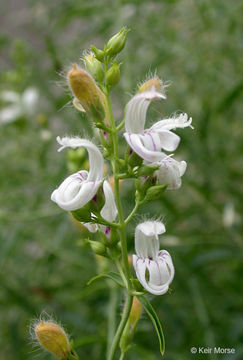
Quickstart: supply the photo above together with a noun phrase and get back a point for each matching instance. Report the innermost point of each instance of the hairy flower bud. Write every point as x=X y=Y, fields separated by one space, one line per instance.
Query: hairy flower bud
x=113 y=75
x=94 y=67
x=88 y=94
x=53 y=338
x=117 y=42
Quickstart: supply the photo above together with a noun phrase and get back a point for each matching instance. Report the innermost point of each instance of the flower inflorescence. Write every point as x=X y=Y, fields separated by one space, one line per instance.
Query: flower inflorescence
x=89 y=196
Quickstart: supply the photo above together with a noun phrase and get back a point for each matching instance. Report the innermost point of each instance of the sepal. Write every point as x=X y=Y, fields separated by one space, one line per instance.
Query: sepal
x=147 y=170
x=99 y=54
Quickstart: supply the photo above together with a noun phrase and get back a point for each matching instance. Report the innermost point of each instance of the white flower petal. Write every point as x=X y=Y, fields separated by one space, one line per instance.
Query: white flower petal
x=151 y=228
x=73 y=193
x=180 y=121
x=109 y=210
x=91 y=227
x=170 y=172
x=168 y=140
x=136 y=110
x=96 y=160
x=136 y=143
x=140 y=267
x=146 y=238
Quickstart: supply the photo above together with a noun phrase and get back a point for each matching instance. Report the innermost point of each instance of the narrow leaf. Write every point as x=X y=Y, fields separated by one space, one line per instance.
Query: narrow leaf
x=155 y=320
x=110 y=275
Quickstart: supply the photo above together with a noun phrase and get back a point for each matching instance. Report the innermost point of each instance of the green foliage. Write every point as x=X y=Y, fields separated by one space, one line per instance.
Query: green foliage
x=195 y=46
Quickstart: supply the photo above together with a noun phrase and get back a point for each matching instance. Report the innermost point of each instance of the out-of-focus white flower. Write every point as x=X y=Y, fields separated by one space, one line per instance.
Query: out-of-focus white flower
x=230 y=216
x=18 y=105
x=148 y=143
x=154 y=267
x=170 y=172
x=108 y=212
x=79 y=188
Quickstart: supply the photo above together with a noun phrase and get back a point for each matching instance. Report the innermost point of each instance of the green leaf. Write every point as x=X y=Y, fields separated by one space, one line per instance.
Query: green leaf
x=110 y=275
x=155 y=320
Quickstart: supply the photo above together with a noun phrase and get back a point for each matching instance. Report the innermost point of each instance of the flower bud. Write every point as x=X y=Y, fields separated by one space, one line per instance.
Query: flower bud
x=53 y=338
x=135 y=313
x=155 y=192
x=97 y=247
x=117 y=42
x=87 y=93
x=128 y=332
x=149 y=84
x=113 y=75
x=94 y=67
x=99 y=54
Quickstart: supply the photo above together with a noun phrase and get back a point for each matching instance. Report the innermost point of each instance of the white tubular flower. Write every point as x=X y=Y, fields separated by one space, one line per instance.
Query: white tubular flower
x=148 y=143
x=154 y=267
x=170 y=172
x=79 y=188
x=108 y=212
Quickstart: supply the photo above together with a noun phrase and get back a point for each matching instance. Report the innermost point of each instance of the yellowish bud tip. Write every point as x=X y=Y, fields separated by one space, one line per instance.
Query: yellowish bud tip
x=154 y=82
x=52 y=338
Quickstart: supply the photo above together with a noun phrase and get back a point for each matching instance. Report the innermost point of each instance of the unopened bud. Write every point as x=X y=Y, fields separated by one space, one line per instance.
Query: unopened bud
x=97 y=247
x=117 y=42
x=128 y=333
x=53 y=338
x=94 y=67
x=99 y=54
x=87 y=93
x=136 y=312
x=155 y=192
x=155 y=83
x=113 y=75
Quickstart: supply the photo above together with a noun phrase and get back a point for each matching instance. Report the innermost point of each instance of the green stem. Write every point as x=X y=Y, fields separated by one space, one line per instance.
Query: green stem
x=115 y=169
x=118 y=265
x=125 y=316
x=111 y=316
x=122 y=356
x=129 y=218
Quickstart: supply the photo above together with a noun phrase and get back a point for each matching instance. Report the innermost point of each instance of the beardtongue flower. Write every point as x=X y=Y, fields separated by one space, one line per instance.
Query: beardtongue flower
x=154 y=267
x=147 y=143
x=79 y=188
x=108 y=212
x=170 y=172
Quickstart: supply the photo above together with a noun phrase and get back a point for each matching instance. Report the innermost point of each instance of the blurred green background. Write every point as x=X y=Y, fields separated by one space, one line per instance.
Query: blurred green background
x=44 y=264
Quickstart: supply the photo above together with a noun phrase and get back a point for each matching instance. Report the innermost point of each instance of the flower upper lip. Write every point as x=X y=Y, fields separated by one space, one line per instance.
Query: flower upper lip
x=79 y=188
